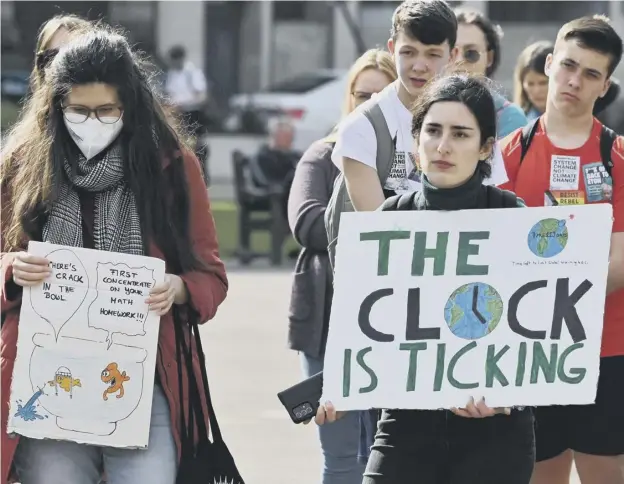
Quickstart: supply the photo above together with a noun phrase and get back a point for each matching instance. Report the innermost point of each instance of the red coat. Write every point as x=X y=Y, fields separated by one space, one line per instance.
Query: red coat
x=207 y=289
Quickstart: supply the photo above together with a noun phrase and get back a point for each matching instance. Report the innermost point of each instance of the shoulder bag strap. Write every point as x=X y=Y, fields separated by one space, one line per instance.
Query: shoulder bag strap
x=386 y=144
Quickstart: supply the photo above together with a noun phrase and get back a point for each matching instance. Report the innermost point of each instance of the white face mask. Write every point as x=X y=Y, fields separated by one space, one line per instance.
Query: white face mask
x=93 y=136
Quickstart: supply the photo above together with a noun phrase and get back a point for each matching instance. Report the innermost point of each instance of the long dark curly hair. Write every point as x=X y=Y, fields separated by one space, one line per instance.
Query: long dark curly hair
x=32 y=160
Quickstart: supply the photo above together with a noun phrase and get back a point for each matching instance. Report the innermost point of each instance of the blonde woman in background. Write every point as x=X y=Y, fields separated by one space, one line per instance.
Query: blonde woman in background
x=54 y=34
x=530 y=82
x=344 y=459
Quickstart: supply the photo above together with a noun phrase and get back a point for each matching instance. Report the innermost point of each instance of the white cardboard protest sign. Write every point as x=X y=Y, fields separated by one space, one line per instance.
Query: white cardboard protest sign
x=432 y=308
x=86 y=350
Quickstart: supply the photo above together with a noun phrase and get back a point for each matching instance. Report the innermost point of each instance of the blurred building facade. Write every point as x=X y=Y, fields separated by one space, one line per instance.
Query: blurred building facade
x=244 y=46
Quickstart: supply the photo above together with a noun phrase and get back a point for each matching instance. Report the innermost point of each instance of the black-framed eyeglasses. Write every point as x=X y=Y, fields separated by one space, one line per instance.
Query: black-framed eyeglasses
x=361 y=96
x=472 y=56
x=44 y=58
x=107 y=114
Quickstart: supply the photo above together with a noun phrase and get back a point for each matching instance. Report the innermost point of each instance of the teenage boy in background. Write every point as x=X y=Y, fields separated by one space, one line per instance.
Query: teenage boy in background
x=565 y=164
x=422 y=43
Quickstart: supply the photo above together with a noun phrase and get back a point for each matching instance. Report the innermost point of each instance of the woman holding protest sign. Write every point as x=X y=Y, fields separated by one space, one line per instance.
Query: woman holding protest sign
x=312 y=284
x=454 y=128
x=94 y=163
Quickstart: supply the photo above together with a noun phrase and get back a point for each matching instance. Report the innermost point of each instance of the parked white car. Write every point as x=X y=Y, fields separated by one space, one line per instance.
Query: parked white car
x=313 y=101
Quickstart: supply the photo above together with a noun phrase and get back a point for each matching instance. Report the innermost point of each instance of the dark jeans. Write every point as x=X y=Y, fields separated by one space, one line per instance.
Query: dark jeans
x=339 y=440
x=438 y=447
x=368 y=429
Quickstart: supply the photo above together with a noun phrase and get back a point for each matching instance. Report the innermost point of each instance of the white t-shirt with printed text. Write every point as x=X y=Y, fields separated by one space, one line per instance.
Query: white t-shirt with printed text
x=356 y=140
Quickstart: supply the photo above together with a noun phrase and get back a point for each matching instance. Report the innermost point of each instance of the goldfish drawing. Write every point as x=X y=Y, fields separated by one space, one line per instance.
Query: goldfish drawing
x=115 y=380
x=63 y=379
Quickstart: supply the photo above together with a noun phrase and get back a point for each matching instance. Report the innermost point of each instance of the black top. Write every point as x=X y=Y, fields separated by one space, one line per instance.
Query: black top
x=471 y=195
x=434 y=429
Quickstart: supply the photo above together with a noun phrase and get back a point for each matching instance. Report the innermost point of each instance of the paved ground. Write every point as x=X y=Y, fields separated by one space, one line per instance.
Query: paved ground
x=248 y=364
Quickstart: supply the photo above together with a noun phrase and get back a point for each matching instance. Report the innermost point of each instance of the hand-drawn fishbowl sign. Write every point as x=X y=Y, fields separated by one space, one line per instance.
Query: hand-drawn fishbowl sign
x=87 y=349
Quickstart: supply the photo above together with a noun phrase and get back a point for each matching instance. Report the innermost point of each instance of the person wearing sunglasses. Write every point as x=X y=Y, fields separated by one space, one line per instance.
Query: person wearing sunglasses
x=54 y=34
x=478 y=42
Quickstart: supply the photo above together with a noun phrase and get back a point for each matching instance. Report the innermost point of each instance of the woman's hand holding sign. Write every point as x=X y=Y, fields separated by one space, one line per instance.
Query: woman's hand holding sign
x=164 y=295
x=479 y=410
x=326 y=413
x=29 y=270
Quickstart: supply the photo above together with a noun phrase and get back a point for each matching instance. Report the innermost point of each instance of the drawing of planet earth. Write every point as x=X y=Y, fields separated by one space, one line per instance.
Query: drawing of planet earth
x=548 y=237
x=473 y=310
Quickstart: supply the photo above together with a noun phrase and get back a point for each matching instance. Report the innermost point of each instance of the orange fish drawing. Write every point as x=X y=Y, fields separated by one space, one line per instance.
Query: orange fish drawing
x=115 y=380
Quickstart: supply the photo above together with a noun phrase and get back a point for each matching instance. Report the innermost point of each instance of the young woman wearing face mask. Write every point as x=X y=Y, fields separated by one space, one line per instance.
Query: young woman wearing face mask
x=95 y=164
x=454 y=128
x=478 y=42
x=312 y=284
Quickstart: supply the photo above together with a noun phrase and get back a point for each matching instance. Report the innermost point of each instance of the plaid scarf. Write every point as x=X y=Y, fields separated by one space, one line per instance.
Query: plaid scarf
x=116 y=226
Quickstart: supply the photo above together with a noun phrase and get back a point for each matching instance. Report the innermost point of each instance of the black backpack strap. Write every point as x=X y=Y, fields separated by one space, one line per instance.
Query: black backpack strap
x=528 y=132
x=497 y=198
x=510 y=200
x=390 y=203
x=494 y=197
x=607 y=138
x=404 y=201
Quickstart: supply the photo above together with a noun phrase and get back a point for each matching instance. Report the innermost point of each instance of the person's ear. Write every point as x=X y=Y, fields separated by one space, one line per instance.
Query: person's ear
x=453 y=54
x=391 y=45
x=548 y=65
x=490 y=58
x=607 y=85
x=416 y=143
x=487 y=150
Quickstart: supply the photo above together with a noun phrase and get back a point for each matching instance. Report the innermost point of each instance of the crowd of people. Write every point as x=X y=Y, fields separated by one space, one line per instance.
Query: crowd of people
x=98 y=159
x=458 y=144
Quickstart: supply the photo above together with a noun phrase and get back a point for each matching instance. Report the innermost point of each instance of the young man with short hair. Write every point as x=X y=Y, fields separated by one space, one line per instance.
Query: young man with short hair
x=422 y=43
x=563 y=165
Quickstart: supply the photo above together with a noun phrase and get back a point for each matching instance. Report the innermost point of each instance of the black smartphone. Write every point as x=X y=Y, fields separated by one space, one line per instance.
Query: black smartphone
x=301 y=401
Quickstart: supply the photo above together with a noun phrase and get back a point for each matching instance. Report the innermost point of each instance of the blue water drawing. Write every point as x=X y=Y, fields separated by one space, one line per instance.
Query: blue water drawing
x=28 y=412
x=473 y=310
x=548 y=237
